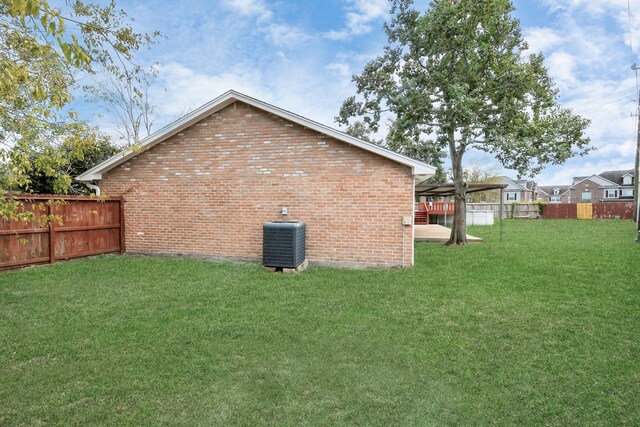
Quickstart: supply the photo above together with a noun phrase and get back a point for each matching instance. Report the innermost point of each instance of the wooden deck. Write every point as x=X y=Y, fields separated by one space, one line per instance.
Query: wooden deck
x=421 y=216
x=437 y=233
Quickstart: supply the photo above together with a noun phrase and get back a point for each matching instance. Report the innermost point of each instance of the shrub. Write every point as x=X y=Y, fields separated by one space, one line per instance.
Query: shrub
x=541 y=205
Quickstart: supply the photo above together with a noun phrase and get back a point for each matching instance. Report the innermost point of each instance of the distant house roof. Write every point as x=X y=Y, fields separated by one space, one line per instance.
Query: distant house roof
x=521 y=184
x=228 y=98
x=577 y=179
x=616 y=176
x=528 y=184
x=596 y=179
x=549 y=189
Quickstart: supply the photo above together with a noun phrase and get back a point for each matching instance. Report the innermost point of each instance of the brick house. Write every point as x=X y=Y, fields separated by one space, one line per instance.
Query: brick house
x=205 y=184
x=590 y=189
x=608 y=186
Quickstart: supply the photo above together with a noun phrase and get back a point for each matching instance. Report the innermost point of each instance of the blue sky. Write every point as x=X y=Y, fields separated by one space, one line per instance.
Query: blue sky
x=300 y=55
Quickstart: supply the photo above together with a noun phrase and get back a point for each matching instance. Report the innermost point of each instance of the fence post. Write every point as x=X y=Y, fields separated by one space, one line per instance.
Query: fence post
x=52 y=233
x=122 y=247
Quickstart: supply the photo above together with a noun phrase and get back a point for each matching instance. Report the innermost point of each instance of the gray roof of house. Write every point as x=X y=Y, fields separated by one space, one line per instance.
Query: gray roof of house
x=529 y=185
x=616 y=176
x=549 y=188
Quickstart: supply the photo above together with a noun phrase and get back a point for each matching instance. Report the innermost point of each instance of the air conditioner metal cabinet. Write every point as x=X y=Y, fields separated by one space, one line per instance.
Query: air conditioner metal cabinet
x=283 y=244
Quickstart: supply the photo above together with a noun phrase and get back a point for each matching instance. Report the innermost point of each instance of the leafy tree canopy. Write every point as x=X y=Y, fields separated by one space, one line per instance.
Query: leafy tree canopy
x=43 y=51
x=458 y=76
x=49 y=169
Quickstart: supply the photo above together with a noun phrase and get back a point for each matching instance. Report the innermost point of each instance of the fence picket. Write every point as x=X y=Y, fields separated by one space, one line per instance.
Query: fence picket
x=87 y=224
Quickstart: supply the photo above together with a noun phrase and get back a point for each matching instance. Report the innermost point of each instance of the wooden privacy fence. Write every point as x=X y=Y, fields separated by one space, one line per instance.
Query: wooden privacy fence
x=561 y=211
x=612 y=210
x=80 y=226
x=603 y=210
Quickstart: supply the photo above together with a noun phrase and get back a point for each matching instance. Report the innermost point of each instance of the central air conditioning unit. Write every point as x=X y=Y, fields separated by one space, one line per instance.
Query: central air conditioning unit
x=283 y=244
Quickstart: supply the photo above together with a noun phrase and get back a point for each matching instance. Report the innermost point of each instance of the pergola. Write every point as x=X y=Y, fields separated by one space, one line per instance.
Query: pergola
x=449 y=189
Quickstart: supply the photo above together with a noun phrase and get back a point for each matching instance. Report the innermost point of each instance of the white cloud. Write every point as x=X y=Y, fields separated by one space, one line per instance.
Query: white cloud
x=285 y=35
x=337 y=35
x=295 y=86
x=562 y=66
x=187 y=89
x=340 y=69
x=591 y=7
x=277 y=32
x=250 y=8
x=623 y=150
x=541 y=39
x=629 y=23
x=359 y=18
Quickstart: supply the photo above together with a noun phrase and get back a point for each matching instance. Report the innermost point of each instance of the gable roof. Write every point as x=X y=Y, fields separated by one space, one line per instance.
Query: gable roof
x=598 y=180
x=528 y=184
x=616 y=176
x=513 y=184
x=228 y=98
x=577 y=179
x=548 y=189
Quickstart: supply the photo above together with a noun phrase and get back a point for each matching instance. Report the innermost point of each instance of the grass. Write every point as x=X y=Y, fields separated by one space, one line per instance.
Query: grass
x=542 y=328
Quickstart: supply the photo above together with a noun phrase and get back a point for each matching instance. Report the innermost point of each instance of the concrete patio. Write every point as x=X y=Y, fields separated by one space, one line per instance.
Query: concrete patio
x=437 y=233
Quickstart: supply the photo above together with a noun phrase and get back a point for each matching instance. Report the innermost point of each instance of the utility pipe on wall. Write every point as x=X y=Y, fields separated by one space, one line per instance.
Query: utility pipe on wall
x=94 y=188
x=403 y=244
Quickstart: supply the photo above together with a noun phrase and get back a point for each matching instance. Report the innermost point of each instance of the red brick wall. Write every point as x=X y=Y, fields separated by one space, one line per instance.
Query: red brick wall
x=597 y=193
x=209 y=189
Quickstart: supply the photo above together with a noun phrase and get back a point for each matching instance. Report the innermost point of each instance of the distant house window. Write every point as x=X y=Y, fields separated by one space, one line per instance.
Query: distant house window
x=627 y=180
x=586 y=196
x=611 y=194
x=556 y=191
x=556 y=199
x=626 y=192
x=512 y=196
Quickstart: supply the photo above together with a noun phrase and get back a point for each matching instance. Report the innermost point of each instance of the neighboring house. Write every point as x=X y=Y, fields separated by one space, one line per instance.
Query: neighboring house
x=205 y=185
x=625 y=181
x=519 y=191
x=554 y=193
x=608 y=186
x=593 y=189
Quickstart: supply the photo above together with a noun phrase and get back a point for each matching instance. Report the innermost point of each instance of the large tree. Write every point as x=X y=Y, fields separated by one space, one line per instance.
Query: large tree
x=43 y=52
x=459 y=75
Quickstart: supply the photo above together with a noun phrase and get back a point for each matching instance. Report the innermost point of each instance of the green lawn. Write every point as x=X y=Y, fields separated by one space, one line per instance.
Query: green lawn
x=543 y=328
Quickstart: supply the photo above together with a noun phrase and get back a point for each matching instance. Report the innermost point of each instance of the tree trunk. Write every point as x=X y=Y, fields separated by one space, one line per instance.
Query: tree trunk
x=459 y=228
